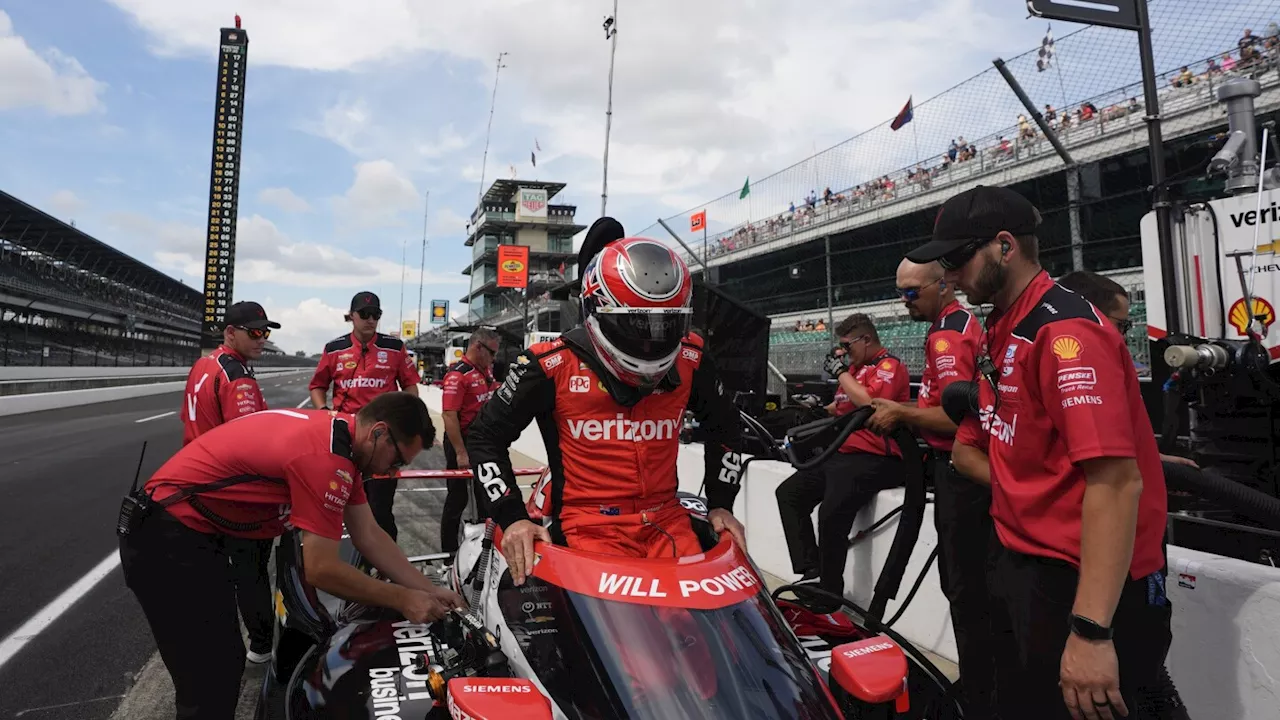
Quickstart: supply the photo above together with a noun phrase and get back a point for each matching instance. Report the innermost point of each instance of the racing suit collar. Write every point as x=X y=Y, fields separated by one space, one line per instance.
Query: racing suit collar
x=946 y=310
x=625 y=395
x=228 y=351
x=356 y=340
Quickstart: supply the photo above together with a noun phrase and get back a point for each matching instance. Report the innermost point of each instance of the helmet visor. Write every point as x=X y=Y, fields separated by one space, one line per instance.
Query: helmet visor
x=644 y=333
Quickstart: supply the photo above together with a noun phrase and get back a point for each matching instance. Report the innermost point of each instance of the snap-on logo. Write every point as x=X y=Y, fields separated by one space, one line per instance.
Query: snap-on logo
x=620 y=428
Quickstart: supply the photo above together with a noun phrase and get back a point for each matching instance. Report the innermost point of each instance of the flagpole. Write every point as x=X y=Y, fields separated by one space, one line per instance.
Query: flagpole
x=422 y=267
x=611 y=33
x=488 y=133
x=915 y=138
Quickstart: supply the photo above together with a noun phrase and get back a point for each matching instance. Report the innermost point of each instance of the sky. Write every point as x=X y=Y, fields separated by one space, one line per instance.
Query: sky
x=355 y=111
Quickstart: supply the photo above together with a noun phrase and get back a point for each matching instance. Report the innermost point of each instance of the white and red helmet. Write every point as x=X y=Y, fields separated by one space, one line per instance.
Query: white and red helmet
x=636 y=306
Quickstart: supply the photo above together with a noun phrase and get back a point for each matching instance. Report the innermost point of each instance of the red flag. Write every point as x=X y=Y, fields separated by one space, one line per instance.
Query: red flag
x=698 y=221
x=904 y=117
x=561 y=268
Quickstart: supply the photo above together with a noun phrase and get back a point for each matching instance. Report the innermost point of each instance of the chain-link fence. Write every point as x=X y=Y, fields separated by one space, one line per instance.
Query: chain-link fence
x=1090 y=86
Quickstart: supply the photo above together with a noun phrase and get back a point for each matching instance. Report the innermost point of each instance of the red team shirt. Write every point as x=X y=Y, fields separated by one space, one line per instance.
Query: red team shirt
x=301 y=462
x=884 y=377
x=949 y=353
x=359 y=372
x=1067 y=393
x=220 y=387
x=466 y=388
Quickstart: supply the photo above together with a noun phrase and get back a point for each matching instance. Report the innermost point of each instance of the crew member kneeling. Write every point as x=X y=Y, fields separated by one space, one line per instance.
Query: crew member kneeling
x=1078 y=499
x=865 y=464
x=610 y=399
x=255 y=477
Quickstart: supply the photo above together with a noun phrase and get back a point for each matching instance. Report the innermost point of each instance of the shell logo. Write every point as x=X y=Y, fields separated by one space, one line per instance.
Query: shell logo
x=333 y=484
x=1239 y=318
x=886 y=365
x=941 y=346
x=1067 y=348
x=512 y=266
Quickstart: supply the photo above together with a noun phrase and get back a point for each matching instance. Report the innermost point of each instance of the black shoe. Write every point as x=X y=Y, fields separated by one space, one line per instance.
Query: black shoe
x=809 y=576
x=259 y=652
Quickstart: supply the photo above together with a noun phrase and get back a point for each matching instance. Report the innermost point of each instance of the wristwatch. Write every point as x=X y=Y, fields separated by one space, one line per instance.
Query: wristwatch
x=1090 y=630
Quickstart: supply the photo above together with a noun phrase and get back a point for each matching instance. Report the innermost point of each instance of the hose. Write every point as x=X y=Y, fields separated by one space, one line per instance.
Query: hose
x=906 y=602
x=1212 y=485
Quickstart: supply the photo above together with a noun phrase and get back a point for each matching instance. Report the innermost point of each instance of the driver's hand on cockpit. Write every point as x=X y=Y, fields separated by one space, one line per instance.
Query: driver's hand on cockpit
x=517 y=547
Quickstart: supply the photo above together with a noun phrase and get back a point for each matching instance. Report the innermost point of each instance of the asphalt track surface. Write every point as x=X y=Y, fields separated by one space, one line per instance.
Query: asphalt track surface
x=62 y=474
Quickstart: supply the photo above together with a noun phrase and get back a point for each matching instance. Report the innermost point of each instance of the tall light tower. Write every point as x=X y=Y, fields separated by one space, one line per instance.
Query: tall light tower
x=610 y=34
x=493 y=102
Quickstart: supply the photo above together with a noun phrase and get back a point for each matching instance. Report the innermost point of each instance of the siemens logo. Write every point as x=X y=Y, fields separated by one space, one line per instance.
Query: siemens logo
x=362 y=383
x=621 y=428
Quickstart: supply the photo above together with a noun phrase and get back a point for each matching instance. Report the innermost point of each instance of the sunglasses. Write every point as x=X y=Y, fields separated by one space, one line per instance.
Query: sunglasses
x=400 y=461
x=255 y=333
x=492 y=351
x=913 y=294
x=848 y=346
x=957 y=258
x=1123 y=325
x=367 y=314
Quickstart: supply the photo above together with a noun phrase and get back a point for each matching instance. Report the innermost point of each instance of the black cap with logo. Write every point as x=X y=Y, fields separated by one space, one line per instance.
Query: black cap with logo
x=365 y=300
x=977 y=214
x=248 y=315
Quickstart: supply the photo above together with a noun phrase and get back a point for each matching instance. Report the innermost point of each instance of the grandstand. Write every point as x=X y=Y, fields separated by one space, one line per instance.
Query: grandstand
x=69 y=299
x=804 y=255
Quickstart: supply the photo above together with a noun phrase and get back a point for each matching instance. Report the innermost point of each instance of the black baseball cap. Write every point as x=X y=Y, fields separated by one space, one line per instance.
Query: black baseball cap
x=977 y=214
x=248 y=315
x=365 y=300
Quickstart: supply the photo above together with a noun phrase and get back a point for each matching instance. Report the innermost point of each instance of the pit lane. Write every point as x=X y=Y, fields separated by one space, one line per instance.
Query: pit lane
x=62 y=473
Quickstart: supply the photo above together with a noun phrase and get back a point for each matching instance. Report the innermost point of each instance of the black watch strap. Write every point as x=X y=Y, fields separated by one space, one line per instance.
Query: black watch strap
x=1090 y=630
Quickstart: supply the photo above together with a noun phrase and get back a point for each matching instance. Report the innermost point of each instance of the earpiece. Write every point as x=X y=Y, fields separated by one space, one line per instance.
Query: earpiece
x=1004 y=247
x=942 y=284
x=377 y=434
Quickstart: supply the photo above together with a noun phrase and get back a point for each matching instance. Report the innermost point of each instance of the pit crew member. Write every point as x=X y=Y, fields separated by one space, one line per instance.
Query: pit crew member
x=962 y=508
x=1112 y=299
x=865 y=464
x=467 y=386
x=361 y=366
x=221 y=387
x=609 y=397
x=256 y=477
x=1079 y=612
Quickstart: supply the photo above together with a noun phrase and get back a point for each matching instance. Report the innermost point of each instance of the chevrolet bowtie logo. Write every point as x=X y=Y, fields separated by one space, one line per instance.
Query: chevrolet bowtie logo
x=1269 y=248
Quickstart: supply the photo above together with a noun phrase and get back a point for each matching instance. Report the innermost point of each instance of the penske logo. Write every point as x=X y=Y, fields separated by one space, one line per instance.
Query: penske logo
x=362 y=383
x=620 y=428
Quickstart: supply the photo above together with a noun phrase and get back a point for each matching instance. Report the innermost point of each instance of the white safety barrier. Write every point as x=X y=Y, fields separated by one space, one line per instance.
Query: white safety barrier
x=36 y=402
x=1225 y=657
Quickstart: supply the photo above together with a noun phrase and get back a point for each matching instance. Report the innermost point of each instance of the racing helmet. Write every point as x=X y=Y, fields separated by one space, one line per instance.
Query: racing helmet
x=636 y=308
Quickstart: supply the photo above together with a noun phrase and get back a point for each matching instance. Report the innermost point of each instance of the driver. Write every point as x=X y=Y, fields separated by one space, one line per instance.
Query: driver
x=610 y=398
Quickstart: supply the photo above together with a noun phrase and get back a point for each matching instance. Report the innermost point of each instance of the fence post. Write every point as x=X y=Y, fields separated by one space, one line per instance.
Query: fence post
x=831 y=326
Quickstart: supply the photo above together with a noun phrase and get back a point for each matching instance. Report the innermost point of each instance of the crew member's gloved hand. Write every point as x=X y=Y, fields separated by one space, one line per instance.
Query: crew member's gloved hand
x=835 y=365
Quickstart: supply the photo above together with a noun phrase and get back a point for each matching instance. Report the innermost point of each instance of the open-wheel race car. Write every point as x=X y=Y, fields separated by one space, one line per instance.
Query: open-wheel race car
x=597 y=636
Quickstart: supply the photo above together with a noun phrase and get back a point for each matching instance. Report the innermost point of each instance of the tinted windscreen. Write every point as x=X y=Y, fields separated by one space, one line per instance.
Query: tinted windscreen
x=607 y=659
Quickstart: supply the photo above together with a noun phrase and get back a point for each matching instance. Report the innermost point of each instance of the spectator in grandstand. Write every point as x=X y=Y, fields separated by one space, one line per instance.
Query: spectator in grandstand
x=467 y=386
x=221 y=387
x=1112 y=300
x=962 y=508
x=1248 y=46
x=360 y=366
x=1079 y=614
x=865 y=464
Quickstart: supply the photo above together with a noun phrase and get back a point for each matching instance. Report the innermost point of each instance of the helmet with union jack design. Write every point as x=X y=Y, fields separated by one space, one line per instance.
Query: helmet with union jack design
x=636 y=307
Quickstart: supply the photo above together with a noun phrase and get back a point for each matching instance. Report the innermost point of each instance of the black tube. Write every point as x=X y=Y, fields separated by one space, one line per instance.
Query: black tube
x=1217 y=266
x=864 y=534
x=912 y=518
x=1212 y=485
x=906 y=602
x=854 y=421
x=873 y=625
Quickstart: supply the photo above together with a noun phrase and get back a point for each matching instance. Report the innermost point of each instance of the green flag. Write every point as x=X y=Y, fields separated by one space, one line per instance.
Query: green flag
x=746 y=189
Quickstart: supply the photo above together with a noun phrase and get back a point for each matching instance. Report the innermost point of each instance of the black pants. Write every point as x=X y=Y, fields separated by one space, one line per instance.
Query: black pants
x=455 y=503
x=962 y=517
x=842 y=486
x=382 y=495
x=1032 y=599
x=249 y=571
x=183 y=580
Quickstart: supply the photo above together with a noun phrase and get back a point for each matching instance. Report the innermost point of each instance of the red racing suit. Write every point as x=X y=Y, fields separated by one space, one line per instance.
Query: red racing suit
x=1065 y=391
x=950 y=353
x=275 y=470
x=359 y=372
x=220 y=387
x=612 y=450
x=466 y=389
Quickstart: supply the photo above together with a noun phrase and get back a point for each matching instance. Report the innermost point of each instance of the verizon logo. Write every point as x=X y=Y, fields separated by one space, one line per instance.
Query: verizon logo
x=362 y=383
x=620 y=428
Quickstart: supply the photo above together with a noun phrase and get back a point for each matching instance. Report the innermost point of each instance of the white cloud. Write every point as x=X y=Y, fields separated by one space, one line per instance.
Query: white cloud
x=66 y=203
x=306 y=326
x=51 y=81
x=285 y=199
x=377 y=196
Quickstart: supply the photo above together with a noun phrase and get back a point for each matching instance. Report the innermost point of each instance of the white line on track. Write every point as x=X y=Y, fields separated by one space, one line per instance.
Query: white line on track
x=157 y=417
x=304 y=402
x=45 y=617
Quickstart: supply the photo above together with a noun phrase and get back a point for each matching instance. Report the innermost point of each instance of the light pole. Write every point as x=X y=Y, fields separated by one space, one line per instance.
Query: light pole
x=611 y=34
x=488 y=133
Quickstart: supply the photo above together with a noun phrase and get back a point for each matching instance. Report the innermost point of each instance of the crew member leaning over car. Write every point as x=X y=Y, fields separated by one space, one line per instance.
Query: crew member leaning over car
x=361 y=366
